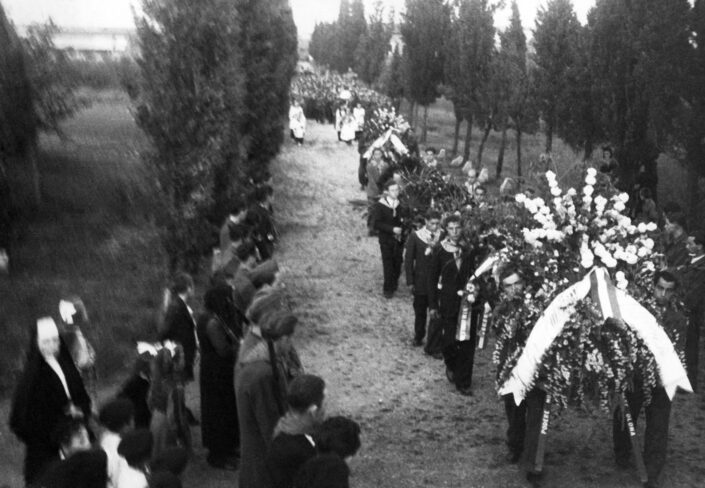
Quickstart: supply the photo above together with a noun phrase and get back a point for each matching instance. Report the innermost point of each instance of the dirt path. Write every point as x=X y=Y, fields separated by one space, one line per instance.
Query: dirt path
x=417 y=430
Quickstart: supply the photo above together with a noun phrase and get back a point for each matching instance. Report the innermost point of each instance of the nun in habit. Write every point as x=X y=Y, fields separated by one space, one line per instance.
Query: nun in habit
x=49 y=390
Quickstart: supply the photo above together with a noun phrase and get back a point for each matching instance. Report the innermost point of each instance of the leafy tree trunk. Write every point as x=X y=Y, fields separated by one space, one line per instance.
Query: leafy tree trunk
x=456 y=133
x=425 y=124
x=416 y=113
x=519 y=152
x=485 y=135
x=411 y=113
x=468 y=138
x=500 y=155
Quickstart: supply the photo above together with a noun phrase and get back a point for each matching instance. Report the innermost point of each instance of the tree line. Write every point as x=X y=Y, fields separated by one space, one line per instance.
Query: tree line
x=211 y=92
x=630 y=78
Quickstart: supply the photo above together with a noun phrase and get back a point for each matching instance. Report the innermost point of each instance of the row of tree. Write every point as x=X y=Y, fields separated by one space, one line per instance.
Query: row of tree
x=212 y=96
x=354 y=42
x=631 y=77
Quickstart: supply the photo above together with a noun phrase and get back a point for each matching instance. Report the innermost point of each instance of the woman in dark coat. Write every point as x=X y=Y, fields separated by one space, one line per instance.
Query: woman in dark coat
x=219 y=330
x=49 y=390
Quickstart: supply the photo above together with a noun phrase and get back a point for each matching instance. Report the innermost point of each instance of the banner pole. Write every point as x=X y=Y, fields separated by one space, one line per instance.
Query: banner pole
x=541 y=444
x=636 y=446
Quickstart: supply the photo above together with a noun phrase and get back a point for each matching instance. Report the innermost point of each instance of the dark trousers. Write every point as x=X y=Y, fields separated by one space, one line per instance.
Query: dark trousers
x=420 y=315
x=692 y=348
x=658 y=413
x=434 y=340
x=524 y=424
x=516 y=424
x=459 y=356
x=392 y=257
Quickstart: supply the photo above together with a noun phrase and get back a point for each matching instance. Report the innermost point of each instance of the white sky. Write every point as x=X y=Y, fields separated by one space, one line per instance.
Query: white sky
x=117 y=13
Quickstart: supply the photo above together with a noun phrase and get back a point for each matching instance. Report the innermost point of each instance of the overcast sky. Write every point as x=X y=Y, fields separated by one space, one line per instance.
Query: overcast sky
x=117 y=13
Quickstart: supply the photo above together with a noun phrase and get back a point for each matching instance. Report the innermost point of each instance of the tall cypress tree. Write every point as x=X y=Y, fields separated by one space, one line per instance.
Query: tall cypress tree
x=268 y=43
x=373 y=48
x=424 y=29
x=555 y=43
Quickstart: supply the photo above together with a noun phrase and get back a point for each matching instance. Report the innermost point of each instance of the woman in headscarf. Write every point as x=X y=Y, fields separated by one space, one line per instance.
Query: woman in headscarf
x=219 y=332
x=50 y=390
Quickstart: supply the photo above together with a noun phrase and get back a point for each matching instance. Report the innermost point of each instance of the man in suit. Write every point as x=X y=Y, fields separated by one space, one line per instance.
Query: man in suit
x=417 y=261
x=451 y=267
x=179 y=325
x=692 y=278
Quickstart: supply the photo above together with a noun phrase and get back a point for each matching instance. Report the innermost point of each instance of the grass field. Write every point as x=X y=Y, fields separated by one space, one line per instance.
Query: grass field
x=92 y=237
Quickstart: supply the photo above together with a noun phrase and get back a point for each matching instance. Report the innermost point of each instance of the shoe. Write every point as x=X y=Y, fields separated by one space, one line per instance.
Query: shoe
x=388 y=294
x=512 y=457
x=417 y=342
x=450 y=375
x=623 y=463
x=466 y=391
x=225 y=465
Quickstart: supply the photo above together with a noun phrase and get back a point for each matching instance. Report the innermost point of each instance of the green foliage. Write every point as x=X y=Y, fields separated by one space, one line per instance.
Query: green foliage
x=189 y=104
x=639 y=53
x=18 y=122
x=392 y=79
x=555 y=44
x=268 y=50
x=54 y=81
x=424 y=30
x=373 y=47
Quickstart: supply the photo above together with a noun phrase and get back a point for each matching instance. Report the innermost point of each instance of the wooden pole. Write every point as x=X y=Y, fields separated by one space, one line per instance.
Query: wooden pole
x=541 y=445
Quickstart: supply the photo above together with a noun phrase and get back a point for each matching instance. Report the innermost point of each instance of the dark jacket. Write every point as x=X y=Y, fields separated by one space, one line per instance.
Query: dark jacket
x=417 y=263
x=263 y=231
x=286 y=456
x=445 y=279
x=40 y=403
x=384 y=219
x=180 y=327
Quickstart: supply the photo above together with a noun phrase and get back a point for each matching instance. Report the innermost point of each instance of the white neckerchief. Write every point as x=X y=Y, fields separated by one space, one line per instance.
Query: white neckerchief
x=696 y=259
x=310 y=440
x=54 y=365
x=453 y=248
x=190 y=312
x=393 y=204
x=427 y=237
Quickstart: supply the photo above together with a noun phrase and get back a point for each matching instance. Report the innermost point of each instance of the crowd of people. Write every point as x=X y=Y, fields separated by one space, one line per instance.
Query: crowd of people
x=453 y=305
x=260 y=413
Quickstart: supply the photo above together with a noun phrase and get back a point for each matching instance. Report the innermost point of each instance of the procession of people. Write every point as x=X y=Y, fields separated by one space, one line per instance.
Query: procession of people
x=263 y=416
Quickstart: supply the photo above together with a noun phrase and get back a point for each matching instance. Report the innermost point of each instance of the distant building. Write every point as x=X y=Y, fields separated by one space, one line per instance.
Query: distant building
x=93 y=44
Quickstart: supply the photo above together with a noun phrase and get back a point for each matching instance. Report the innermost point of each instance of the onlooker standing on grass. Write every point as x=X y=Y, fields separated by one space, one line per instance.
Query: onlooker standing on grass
x=236 y=215
x=417 y=261
x=179 y=325
x=293 y=443
x=337 y=441
x=348 y=128
x=388 y=221
x=219 y=331
x=376 y=167
x=136 y=389
x=260 y=386
x=50 y=391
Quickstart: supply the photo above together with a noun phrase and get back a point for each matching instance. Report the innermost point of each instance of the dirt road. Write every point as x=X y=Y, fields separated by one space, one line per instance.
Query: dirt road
x=417 y=431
